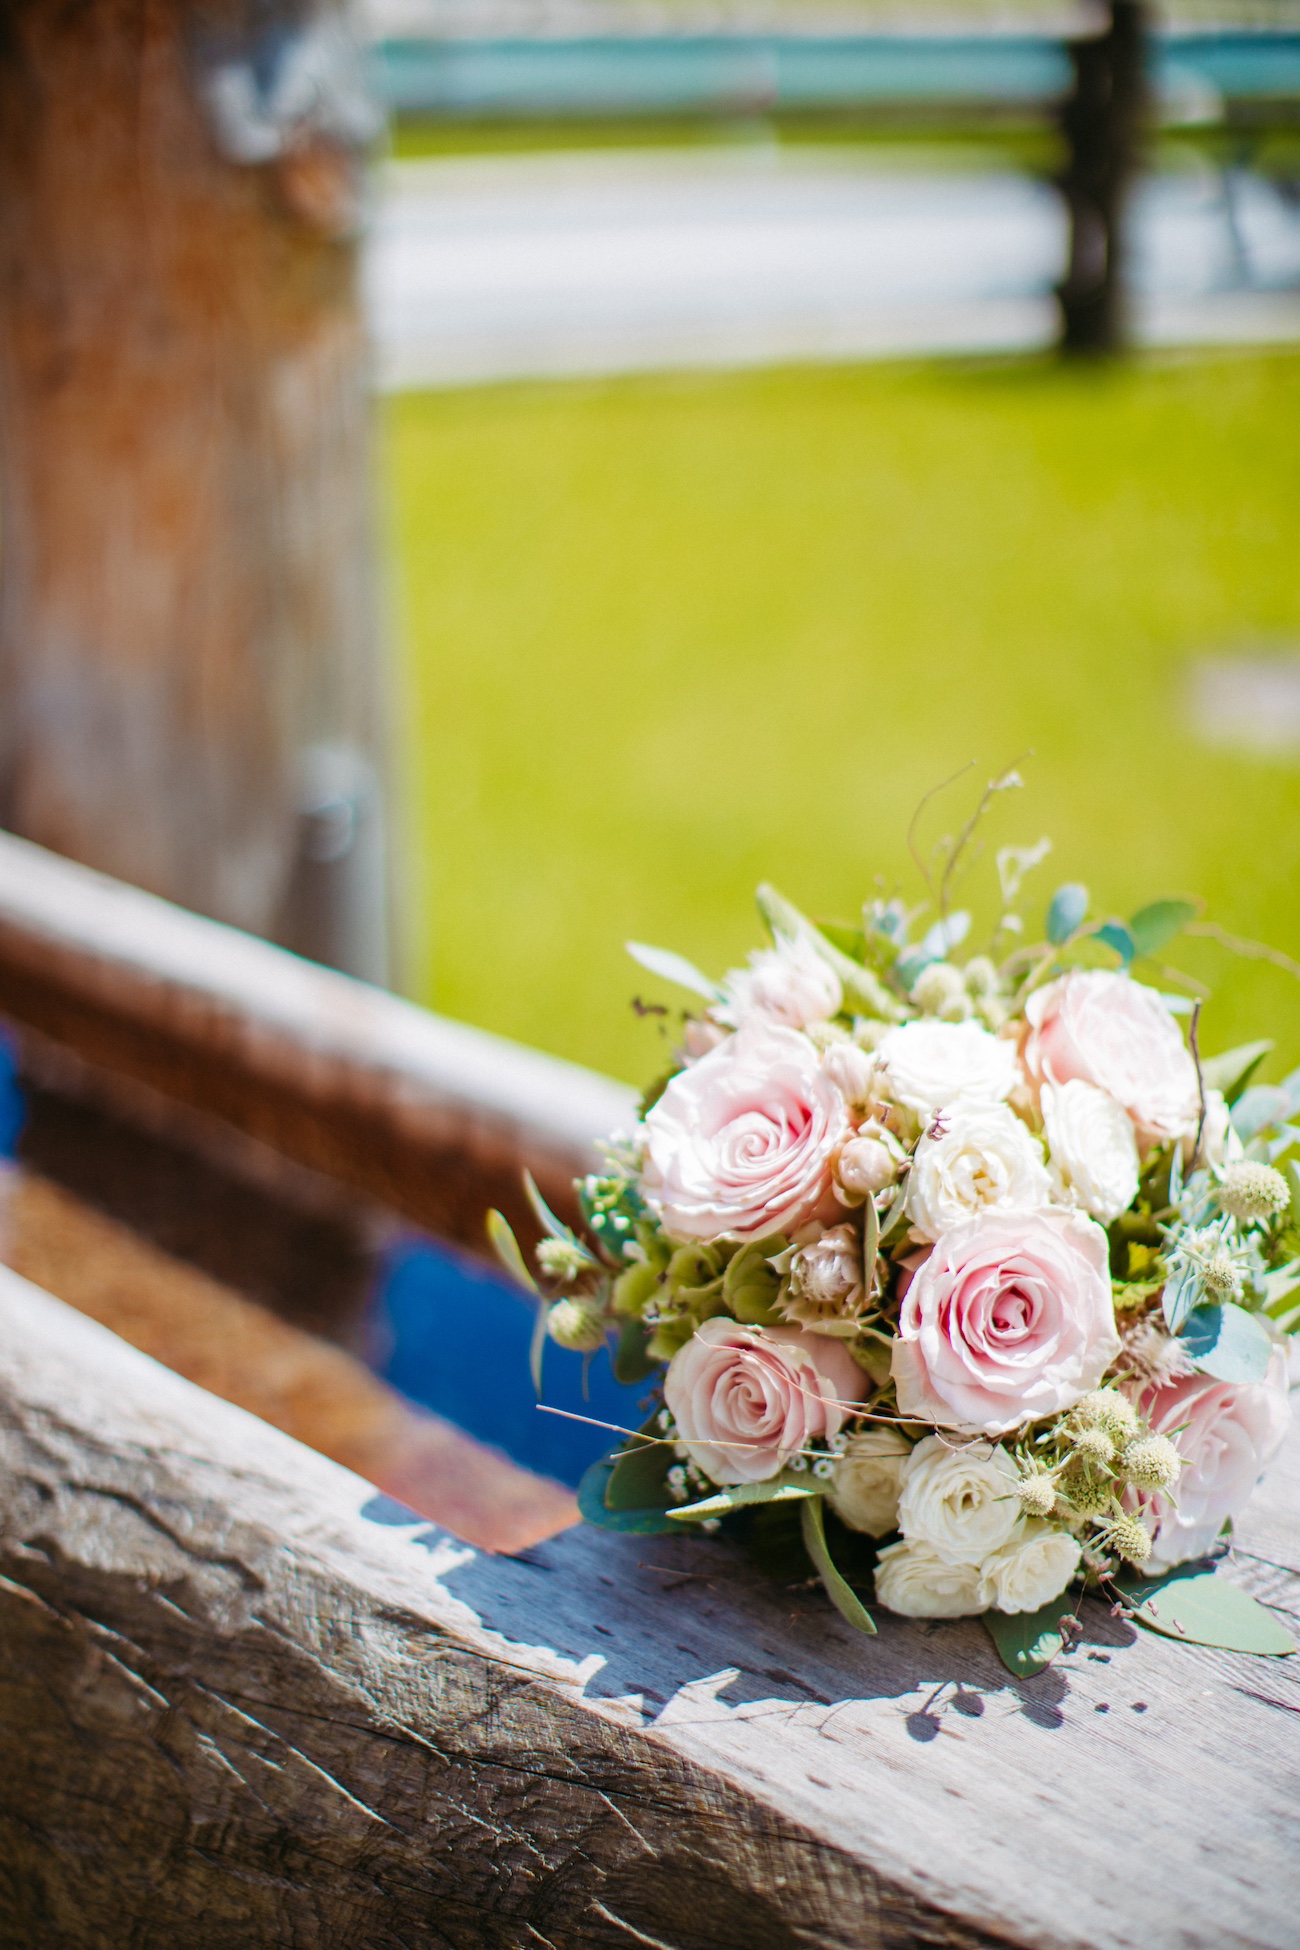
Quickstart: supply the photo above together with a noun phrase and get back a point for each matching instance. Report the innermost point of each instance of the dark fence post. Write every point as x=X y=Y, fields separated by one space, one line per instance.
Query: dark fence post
x=1101 y=120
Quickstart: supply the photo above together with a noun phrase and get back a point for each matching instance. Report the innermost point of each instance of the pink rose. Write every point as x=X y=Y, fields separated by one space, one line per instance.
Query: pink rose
x=745 y=1399
x=741 y=1143
x=1009 y=1318
x=1110 y=1031
x=1226 y=1432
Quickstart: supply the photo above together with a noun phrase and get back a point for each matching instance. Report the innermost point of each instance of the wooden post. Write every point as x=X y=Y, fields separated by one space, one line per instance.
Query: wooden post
x=185 y=621
x=1101 y=120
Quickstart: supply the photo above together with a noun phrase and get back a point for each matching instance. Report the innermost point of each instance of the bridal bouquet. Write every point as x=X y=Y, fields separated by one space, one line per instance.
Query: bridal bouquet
x=966 y=1276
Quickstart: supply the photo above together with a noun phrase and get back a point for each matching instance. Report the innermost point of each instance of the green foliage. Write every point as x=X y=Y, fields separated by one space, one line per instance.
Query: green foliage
x=648 y=1522
x=506 y=1247
x=1233 y=1070
x=1153 y=927
x=1027 y=1641
x=633 y=1360
x=638 y=1476
x=750 y=1285
x=1067 y=912
x=1227 y=1342
x=739 y=1496
x=841 y=1594
x=1204 y=1609
x=1116 y=936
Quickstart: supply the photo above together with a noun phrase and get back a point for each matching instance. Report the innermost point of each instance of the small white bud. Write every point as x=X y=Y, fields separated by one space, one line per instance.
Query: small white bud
x=866 y=1164
x=1252 y=1191
x=1130 y=1538
x=576 y=1324
x=940 y=991
x=1037 y=1495
x=1152 y=1462
x=562 y=1259
x=1094 y=1446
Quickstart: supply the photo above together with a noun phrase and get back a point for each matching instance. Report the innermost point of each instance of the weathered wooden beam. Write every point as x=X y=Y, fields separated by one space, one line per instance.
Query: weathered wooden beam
x=238 y=1711
x=432 y=1118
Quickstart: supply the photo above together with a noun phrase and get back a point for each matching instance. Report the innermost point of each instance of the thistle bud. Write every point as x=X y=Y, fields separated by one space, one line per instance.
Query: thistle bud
x=981 y=978
x=1251 y=1191
x=1130 y=1538
x=940 y=991
x=1106 y=1408
x=1037 y=1495
x=1089 y=1496
x=1152 y=1462
x=1094 y=1447
x=576 y=1324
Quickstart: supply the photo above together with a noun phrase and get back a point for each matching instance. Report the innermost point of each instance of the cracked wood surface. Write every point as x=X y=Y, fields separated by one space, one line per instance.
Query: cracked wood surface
x=247 y=1702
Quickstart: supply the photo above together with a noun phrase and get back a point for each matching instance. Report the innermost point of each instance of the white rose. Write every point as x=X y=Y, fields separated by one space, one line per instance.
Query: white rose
x=915 y=1581
x=932 y=1066
x=1108 y=1030
x=960 y=1502
x=868 y=1476
x=983 y=1156
x=1093 y=1148
x=791 y=984
x=1034 y=1567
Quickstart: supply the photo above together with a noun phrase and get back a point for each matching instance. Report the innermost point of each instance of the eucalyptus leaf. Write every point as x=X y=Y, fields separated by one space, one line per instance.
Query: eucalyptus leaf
x=673 y=968
x=1291 y=1172
x=939 y=941
x=632 y=1362
x=1157 y=923
x=1067 y=911
x=1028 y=1641
x=841 y=1594
x=1205 y=1609
x=594 y=1510
x=638 y=1478
x=506 y=1247
x=1233 y=1070
x=1180 y=1296
x=1263 y=1104
x=1116 y=936
x=537 y=1345
x=1227 y=1342
x=546 y=1219
x=736 y=1496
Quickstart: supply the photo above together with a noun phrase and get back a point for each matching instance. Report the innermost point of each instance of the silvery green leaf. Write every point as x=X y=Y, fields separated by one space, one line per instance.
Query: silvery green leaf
x=841 y=1594
x=1181 y=1294
x=1233 y=1070
x=1227 y=1342
x=1028 y=1641
x=546 y=1219
x=777 y=1489
x=1205 y=1609
x=1257 y=1108
x=1157 y=923
x=506 y=1248
x=947 y=934
x=673 y=968
x=1067 y=912
x=1116 y=936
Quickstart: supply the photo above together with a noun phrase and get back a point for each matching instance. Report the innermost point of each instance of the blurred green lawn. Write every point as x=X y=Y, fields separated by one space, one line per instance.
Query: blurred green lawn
x=665 y=637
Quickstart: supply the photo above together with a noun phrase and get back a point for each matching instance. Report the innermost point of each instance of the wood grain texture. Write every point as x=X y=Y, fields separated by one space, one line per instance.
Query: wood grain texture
x=319 y=1394
x=184 y=468
x=434 y=1119
x=337 y=1731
